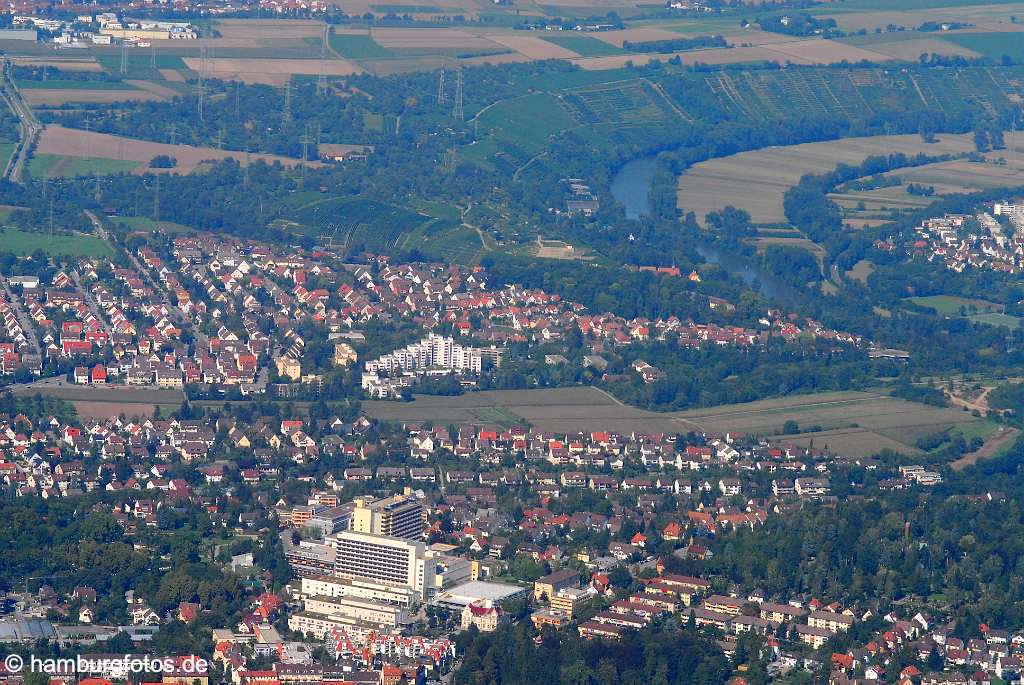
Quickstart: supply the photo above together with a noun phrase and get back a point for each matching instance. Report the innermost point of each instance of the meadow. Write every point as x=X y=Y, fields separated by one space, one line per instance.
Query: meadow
x=61 y=166
x=76 y=244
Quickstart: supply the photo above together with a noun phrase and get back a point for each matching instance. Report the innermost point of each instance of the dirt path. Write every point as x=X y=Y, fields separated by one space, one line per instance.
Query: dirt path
x=990 y=448
x=980 y=403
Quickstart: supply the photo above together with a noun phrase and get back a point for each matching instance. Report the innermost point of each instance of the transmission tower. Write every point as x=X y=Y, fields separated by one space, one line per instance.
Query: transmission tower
x=173 y=131
x=305 y=140
x=440 y=88
x=286 y=116
x=245 y=173
x=124 y=56
x=457 y=111
x=321 y=79
x=156 y=199
x=202 y=83
x=152 y=56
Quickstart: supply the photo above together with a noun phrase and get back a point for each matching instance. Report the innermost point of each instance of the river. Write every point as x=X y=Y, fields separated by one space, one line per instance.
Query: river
x=630 y=187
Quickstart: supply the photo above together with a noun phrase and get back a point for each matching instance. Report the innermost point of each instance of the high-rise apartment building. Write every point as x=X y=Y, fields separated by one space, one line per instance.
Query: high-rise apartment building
x=387 y=560
x=400 y=516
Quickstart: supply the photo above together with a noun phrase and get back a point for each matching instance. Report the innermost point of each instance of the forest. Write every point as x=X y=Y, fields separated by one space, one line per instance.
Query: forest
x=515 y=655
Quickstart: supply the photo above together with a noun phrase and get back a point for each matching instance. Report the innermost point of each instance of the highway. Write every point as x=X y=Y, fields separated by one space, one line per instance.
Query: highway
x=30 y=126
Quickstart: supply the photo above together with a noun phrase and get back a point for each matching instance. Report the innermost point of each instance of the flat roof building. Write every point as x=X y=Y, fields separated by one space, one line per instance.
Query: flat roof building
x=400 y=516
x=387 y=560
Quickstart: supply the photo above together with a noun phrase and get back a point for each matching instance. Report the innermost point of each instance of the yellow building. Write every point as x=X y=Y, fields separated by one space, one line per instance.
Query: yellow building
x=288 y=368
x=344 y=355
x=569 y=600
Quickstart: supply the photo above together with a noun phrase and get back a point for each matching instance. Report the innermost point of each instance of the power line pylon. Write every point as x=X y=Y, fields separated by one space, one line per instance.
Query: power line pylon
x=156 y=198
x=440 y=88
x=286 y=115
x=202 y=80
x=124 y=56
x=457 y=110
x=321 y=78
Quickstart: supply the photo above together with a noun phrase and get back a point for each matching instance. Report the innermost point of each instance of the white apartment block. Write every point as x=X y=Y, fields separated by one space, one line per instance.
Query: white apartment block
x=389 y=561
x=434 y=351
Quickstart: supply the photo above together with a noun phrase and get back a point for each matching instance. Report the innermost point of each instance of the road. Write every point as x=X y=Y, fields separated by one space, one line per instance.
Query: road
x=30 y=126
x=27 y=325
x=177 y=316
x=93 y=305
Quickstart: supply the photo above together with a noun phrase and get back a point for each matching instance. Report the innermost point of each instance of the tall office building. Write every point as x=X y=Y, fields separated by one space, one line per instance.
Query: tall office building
x=386 y=560
x=400 y=516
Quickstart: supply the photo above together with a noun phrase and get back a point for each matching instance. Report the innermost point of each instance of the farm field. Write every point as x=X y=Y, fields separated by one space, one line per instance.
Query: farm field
x=64 y=142
x=58 y=84
x=25 y=243
x=358 y=46
x=555 y=409
x=854 y=423
x=583 y=45
x=60 y=166
x=882 y=422
x=102 y=403
x=757 y=181
x=36 y=97
x=275 y=72
x=994 y=45
x=977 y=311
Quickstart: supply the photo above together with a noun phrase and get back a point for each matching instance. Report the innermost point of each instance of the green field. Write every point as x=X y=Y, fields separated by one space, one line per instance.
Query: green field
x=415 y=9
x=140 y=61
x=60 y=84
x=582 y=45
x=25 y=243
x=950 y=305
x=514 y=130
x=6 y=150
x=144 y=223
x=59 y=166
x=901 y=5
x=993 y=45
x=997 y=319
x=444 y=240
x=358 y=47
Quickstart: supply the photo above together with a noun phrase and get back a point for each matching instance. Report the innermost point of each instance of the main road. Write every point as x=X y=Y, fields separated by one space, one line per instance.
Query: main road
x=29 y=124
